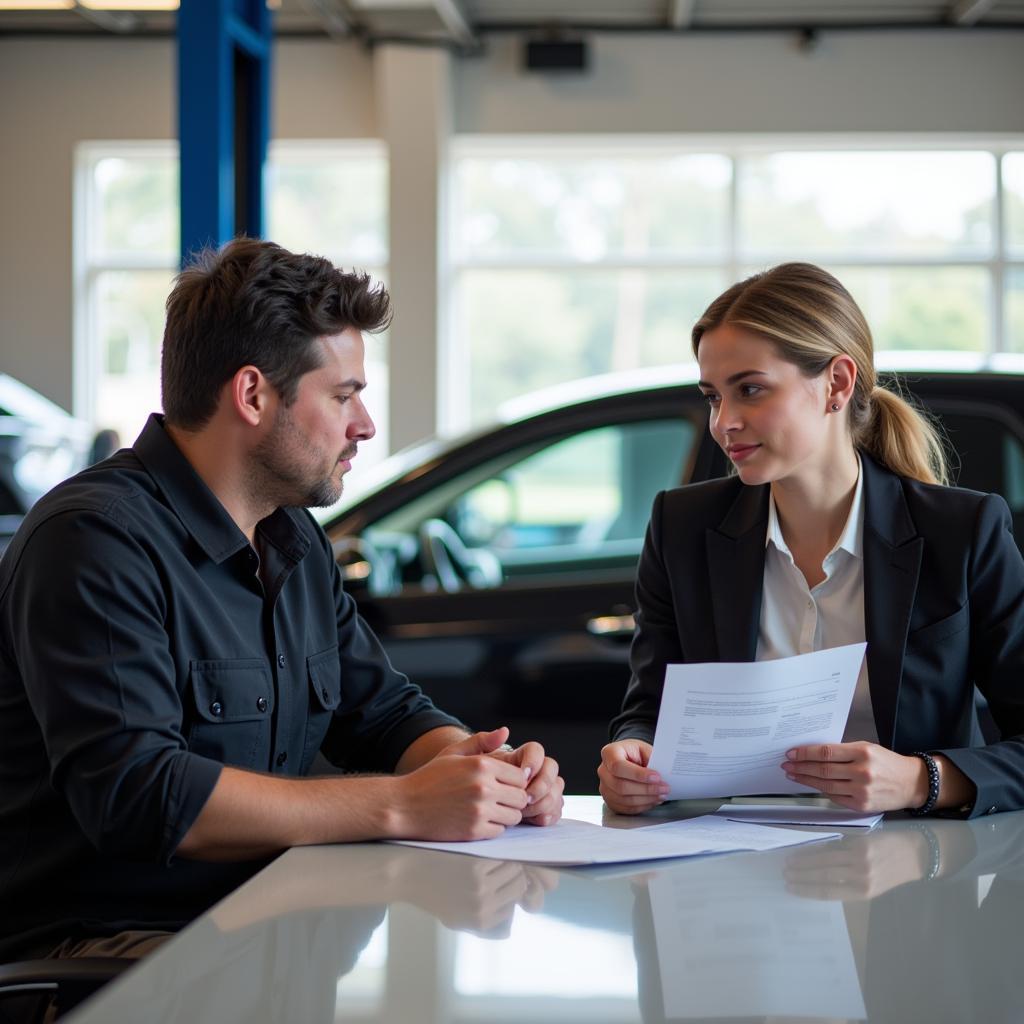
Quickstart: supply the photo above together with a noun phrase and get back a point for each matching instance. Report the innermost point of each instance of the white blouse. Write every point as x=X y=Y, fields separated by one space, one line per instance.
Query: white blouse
x=797 y=620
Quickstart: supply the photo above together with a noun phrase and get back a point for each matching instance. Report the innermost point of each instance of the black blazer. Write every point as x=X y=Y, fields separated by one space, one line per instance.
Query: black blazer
x=943 y=612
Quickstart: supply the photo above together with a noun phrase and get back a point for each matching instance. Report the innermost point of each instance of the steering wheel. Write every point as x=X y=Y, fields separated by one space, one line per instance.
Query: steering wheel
x=447 y=559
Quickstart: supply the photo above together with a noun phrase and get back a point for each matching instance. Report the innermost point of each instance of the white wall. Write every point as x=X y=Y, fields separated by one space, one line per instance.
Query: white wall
x=892 y=81
x=56 y=93
x=59 y=91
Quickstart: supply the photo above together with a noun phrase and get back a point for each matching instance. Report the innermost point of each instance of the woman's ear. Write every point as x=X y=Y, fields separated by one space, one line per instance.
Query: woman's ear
x=841 y=377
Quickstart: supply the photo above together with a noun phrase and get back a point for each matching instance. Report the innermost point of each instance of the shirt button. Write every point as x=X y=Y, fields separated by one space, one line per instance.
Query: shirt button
x=280 y=661
x=216 y=709
x=281 y=758
x=325 y=693
x=991 y=810
x=262 y=703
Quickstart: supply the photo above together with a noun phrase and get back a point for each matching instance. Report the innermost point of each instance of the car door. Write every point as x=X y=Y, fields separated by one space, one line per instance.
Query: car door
x=981 y=416
x=508 y=592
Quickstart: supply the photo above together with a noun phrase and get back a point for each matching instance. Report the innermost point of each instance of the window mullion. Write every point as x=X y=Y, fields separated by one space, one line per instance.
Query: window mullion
x=999 y=266
x=733 y=224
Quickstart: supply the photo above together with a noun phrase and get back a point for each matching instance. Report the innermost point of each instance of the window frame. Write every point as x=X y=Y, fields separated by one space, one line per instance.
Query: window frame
x=87 y=348
x=455 y=353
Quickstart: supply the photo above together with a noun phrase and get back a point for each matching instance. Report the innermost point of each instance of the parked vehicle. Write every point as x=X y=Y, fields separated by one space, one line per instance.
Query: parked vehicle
x=498 y=568
x=40 y=445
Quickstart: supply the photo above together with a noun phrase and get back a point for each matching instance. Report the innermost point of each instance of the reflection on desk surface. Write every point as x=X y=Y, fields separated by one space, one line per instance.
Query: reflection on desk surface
x=913 y=921
x=730 y=941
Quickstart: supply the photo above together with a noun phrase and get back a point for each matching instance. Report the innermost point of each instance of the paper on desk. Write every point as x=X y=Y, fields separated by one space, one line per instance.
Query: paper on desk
x=796 y=814
x=724 y=728
x=571 y=843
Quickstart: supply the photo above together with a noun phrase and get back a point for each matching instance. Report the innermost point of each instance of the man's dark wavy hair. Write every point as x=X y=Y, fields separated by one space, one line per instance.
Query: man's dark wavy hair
x=254 y=303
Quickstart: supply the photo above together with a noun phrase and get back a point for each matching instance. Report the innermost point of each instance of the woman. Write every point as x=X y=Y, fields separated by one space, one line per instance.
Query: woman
x=836 y=528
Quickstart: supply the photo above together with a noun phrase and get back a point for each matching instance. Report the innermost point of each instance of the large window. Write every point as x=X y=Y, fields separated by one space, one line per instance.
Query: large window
x=569 y=259
x=575 y=259
x=327 y=198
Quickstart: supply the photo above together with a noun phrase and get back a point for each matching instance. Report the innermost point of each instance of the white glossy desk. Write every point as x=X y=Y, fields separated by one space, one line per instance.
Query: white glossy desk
x=845 y=930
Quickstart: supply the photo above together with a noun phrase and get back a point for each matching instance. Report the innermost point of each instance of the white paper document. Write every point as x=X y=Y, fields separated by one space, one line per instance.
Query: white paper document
x=578 y=842
x=797 y=814
x=724 y=728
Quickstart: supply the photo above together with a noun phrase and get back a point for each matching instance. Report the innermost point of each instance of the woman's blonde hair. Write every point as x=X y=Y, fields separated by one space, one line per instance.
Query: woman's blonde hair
x=811 y=318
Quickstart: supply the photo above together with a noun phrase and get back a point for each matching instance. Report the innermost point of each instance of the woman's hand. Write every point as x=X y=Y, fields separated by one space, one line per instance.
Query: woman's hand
x=627 y=784
x=862 y=776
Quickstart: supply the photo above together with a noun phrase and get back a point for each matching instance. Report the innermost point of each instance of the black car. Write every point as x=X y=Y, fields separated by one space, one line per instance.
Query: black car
x=498 y=569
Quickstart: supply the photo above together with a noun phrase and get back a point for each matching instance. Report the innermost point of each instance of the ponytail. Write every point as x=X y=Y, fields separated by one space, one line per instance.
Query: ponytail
x=895 y=434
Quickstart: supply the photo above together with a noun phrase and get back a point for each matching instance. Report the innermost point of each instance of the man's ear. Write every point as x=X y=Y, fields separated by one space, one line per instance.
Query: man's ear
x=250 y=394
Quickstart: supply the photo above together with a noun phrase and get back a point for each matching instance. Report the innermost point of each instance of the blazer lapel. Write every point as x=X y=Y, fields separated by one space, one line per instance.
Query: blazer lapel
x=892 y=562
x=736 y=564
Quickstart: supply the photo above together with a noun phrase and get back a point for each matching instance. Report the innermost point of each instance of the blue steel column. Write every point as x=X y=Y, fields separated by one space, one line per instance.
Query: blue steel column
x=224 y=49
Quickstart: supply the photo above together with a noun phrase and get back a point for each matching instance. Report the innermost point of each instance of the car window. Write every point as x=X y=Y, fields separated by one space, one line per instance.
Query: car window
x=1013 y=473
x=573 y=503
x=579 y=494
x=989 y=455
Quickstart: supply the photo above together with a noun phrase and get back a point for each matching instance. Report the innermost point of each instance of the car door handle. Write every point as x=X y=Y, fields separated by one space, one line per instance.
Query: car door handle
x=612 y=626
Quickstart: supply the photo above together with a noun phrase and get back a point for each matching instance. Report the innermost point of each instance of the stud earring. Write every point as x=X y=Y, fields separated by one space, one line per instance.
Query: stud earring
x=835 y=407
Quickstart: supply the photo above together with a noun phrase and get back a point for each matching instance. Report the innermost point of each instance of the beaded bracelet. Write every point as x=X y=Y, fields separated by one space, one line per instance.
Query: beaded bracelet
x=933 y=784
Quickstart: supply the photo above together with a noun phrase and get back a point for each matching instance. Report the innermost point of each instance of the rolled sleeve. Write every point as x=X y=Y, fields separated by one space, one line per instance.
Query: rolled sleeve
x=192 y=779
x=90 y=638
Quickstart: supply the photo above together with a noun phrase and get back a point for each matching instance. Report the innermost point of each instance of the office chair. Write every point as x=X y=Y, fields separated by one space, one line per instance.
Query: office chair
x=70 y=980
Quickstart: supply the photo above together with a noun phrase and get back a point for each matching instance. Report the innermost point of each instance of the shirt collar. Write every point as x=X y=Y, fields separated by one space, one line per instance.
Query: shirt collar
x=851 y=540
x=198 y=508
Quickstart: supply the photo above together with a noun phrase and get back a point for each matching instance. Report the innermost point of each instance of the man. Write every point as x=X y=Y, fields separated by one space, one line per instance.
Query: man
x=175 y=642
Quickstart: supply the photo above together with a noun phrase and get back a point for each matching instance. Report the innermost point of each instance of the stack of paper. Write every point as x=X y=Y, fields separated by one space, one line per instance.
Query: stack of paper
x=578 y=842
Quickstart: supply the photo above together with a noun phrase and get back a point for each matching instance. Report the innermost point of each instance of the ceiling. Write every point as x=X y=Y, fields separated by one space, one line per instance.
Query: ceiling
x=463 y=23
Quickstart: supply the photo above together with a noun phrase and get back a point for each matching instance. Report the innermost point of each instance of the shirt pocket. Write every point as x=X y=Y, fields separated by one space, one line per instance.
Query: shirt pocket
x=234 y=702
x=324 y=674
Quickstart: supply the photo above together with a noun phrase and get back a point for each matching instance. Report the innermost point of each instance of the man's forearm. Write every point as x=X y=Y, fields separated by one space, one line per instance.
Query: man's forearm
x=464 y=796
x=426 y=747
x=250 y=815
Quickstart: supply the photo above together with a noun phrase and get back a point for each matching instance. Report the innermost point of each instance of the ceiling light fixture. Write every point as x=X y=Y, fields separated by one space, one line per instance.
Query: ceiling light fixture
x=36 y=5
x=139 y=6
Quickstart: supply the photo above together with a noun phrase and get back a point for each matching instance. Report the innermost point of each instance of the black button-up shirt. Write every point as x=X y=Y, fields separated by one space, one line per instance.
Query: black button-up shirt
x=144 y=643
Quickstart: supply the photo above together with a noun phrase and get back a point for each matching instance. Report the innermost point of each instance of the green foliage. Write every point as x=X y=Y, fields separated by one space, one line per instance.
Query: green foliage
x=937 y=308
x=1015 y=310
x=530 y=329
x=137 y=206
x=590 y=208
x=329 y=206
